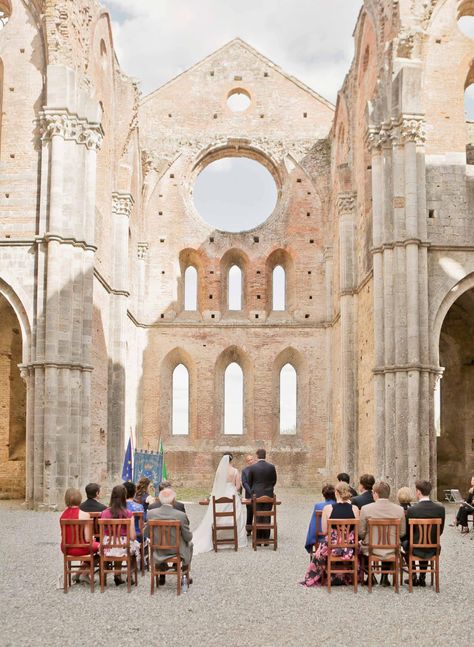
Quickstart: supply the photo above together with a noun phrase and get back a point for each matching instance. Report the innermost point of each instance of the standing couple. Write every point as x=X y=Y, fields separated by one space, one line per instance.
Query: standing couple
x=259 y=478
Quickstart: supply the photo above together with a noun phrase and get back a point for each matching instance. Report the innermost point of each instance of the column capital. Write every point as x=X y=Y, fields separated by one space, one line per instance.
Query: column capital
x=408 y=128
x=142 y=251
x=346 y=202
x=122 y=204
x=70 y=127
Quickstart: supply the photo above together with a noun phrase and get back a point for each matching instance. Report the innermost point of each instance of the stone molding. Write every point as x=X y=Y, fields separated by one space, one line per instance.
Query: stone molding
x=106 y=285
x=142 y=251
x=71 y=127
x=48 y=237
x=406 y=129
x=400 y=243
x=122 y=204
x=25 y=369
x=408 y=368
x=346 y=202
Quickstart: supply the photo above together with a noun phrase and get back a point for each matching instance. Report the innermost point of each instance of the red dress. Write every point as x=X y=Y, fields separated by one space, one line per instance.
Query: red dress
x=73 y=513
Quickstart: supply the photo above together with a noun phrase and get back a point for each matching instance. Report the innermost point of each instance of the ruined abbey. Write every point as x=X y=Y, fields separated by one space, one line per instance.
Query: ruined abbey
x=372 y=235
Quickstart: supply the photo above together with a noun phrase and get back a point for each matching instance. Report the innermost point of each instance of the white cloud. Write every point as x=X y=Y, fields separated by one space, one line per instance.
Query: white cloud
x=310 y=39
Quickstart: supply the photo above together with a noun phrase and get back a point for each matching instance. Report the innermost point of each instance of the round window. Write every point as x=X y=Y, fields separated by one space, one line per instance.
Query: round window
x=238 y=100
x=235 y=194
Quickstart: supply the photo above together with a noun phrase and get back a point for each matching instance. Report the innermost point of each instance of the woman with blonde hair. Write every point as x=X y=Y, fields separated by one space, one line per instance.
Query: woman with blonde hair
x=405 y=497
x=316 y=575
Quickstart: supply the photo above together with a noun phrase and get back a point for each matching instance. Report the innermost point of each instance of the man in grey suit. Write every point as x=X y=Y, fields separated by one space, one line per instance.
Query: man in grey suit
x=381 y=508
x=156 y=504
x=167 y=512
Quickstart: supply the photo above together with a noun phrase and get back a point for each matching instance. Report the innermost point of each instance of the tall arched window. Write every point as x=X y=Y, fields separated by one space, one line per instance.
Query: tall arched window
x=233 y=400
x=180 y=399
x=234 y=296
x=288 y=400
x=278 y=288
x=190 y=288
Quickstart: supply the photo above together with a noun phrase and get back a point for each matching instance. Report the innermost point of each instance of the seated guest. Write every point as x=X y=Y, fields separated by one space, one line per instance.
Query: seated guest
x=405 y=497
x=92 y=503
x=72 y=499
x=316 y=575
x=167 y=512
x=366 y=483
x=344 y=478
x=381 y=508
x=465 y=509
x=141 y=494
x=132 y=505
x=164 y=485
x=118 y=510
x=424 y=509
x=329 y=495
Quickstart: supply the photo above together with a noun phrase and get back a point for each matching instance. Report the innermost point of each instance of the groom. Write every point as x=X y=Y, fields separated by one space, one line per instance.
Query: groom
x=262 y=477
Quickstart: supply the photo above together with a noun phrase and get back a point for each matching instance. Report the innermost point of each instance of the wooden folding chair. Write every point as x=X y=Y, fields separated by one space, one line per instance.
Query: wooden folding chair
x=139 y=516
x=318 y=514
x=339 y=539
x=384 y=534
x=217 y=516
x=264 y=520
x=111 y=539
x=73 y=536
x=424 y=535
x=165 y=537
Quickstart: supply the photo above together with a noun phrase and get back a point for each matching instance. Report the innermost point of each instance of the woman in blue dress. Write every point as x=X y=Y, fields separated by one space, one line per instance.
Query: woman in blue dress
x=329 y=495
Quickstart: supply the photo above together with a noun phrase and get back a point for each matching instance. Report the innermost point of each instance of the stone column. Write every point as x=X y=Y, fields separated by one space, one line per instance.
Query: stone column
x=329 y=279
x=346 y=205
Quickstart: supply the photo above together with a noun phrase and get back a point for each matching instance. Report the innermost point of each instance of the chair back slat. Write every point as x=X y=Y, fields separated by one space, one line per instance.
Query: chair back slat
x=339 y=533
x=164 y=535
x=424 y=533
x=95 y=516
x=73 y=533
x=384 y=533
x=139 y=516
x=112 y=529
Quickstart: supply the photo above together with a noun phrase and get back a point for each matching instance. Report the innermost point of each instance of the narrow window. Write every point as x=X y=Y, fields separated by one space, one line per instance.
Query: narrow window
x=288 y=398
x=190 y=288
x=235 y=288
x=180 y=409
x=279 y=288
x=233 y=400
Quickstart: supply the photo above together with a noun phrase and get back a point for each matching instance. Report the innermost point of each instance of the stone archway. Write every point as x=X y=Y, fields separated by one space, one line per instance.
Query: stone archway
x=455 y=440
x=12 y=406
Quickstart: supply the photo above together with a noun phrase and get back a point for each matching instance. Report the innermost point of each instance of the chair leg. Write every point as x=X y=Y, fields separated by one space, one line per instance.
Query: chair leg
x=355 y=572
x=101 y=575
x=329 y=575
x=152 y=578
x=129 y=573
x=370 y=575
x=395 y=574
x=65 y=574
x=178 y=573
x=91 y=573
x=410 y=574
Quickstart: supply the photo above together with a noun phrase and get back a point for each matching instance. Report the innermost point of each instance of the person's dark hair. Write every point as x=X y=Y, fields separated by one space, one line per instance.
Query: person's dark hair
x=382 y=489
x=367 y=481
x=142 y=487
x=329 y=492
x=92 y=490
x=229 y=455
x=130 y=488
x=118 y=502
x=345 y=478
x=164 y=485
x=261 y=453
x=424 y=487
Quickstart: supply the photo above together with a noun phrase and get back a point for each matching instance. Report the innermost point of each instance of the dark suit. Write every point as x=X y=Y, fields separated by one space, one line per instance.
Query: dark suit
x=248 y=493
x=92 y=505
x=262 y=477
x=177 y=506
x=363 y=499
x=424 y=510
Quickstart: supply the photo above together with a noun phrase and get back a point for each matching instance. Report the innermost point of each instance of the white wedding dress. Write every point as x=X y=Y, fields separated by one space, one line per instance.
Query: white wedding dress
x=225 y=483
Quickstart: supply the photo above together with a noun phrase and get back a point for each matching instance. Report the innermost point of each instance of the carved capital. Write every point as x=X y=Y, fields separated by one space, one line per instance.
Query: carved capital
x=71 y=128
x=377 y=136
x=122 y=204
x=407 y=129
x=346 y=202
x=142 y=251
x=413 y=130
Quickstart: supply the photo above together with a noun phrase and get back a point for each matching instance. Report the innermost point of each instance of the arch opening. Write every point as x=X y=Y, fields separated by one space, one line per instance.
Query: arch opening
x=233 y=400
x=180 y=397
x=190 y=289
x=279 y=289
x=288 y=400
x=234 y=296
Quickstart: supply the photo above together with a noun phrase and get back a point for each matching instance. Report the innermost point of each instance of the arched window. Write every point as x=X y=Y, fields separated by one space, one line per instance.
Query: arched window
x=279 y=288
x=180 y=399
x=5 y=13
x=233 y=400
x=288 y=399
x=190 y=288
x=234 y=296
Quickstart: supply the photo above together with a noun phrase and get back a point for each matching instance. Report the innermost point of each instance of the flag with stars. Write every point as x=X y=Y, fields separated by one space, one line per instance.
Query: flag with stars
x=127 y=463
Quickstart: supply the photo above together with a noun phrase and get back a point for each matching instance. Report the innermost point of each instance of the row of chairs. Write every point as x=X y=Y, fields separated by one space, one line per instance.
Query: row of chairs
x=384 y=534
x=225 y=520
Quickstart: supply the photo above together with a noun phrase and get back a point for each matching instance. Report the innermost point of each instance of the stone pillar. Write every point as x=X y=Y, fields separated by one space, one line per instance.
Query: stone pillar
x=328 y=272
x=122 y=204
x=346 y=205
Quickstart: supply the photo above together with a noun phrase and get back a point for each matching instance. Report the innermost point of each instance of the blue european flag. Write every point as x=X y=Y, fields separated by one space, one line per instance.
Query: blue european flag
x=127 y=463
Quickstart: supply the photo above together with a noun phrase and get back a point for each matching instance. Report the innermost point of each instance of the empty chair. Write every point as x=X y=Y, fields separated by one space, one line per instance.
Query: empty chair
x=264 y=520
x=224 y=520
x=384 y=549
x=165 y=538
x=342 y=549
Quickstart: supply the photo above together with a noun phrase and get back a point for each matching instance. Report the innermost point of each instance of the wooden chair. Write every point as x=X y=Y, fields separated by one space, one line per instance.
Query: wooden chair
x=141 y=525
x=318 y=514
x=73 y=536
x=110 y=539
x=424 y=535
x=165 y=536
x=217 y=527
x=384 y=534
x=95 y=516
x=342 y=529
x=264 y=520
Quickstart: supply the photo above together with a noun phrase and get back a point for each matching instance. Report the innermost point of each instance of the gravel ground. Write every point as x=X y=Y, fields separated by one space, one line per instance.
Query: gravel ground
x=237 y=598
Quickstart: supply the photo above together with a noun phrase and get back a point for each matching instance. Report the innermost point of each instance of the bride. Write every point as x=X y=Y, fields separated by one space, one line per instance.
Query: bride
x=226 y=483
